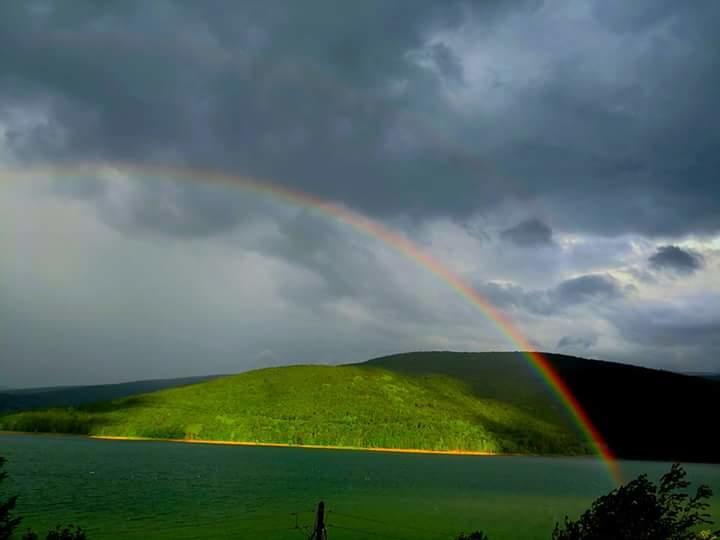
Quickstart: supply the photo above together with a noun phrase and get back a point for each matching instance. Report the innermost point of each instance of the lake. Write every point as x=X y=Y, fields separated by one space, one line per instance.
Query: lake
x=128 y=490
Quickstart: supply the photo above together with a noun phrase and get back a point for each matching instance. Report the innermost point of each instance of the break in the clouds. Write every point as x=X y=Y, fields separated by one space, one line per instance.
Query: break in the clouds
x=558 y=156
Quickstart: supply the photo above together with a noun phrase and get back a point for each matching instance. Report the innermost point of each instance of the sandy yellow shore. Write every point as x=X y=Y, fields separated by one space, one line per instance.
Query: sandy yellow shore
x=313 y=446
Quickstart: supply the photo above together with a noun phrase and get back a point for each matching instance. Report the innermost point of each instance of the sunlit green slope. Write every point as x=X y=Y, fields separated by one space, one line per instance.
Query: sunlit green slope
x=425 y=400
x=360 y=405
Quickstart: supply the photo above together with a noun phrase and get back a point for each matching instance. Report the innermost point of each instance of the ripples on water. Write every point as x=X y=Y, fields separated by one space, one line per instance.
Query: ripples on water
x=127 y=490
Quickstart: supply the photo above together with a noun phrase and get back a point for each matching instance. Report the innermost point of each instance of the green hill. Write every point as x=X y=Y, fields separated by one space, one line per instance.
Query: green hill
x=642 y=413
x=436 y=401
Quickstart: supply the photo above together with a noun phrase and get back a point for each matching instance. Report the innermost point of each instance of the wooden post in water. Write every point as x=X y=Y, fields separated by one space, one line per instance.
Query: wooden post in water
x=319 y=532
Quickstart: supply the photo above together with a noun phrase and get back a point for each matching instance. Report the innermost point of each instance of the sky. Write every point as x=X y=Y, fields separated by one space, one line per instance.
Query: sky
x=560 y=157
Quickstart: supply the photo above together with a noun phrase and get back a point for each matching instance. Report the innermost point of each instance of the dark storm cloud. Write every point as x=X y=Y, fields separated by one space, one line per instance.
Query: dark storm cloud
x=595 y=288
x=583 y=288
x=531 y=232
x=352 y=104
x=576 y=342
x=676 y=259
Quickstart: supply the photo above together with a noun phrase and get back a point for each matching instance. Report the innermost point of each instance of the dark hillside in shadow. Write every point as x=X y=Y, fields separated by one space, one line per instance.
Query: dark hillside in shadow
x=642 y=413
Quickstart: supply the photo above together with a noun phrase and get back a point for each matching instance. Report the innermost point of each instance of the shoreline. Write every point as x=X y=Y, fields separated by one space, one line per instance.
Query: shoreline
x=305 y=446
x=267 y=444
x=340 y=448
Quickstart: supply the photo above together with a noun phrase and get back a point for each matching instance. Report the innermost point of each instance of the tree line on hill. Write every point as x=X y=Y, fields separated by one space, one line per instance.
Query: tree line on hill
x=439 y=400
x=642 y=413
x=638 y=510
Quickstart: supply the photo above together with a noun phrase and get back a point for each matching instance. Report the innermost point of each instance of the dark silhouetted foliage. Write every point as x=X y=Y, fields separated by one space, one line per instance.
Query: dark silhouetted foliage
x=8 y=523
x=641 y=510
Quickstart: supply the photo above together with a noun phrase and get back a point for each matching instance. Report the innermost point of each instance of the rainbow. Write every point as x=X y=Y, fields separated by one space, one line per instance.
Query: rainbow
x=377 y=231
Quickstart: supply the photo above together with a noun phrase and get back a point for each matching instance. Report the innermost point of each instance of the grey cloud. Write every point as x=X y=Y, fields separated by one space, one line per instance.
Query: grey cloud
x=677 y=334
x=297 y=284
x=596 y=288
x=176 y=210
x=585 y=288
x=311 y=97
x=642 y=275
x=576 y=342
x=531 y=232
x=407 y=111
x=676 y=259
x=317 y=245
x=511 y=295
x=149 y=204
x=441 y=59
x=623 y=16
x=346 y=268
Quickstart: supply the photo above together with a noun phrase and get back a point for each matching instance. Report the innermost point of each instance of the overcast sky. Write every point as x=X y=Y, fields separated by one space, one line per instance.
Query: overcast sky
x=561 y=157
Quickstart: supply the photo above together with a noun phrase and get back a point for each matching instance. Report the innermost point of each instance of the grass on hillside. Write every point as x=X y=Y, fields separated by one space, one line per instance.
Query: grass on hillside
x=356 y=405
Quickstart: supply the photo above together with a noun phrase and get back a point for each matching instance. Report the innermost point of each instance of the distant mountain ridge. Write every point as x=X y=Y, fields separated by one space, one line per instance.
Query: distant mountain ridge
x=16 y=399
x=703 y=375
x=436 y=400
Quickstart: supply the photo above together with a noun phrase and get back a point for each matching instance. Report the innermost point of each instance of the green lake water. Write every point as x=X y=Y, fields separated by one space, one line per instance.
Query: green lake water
x=129 y=490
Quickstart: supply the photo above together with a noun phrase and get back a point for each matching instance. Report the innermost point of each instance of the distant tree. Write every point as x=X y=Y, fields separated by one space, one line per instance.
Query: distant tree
x=8 y=523
x=193 y=431
x=477 y=535
x=641 y=510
